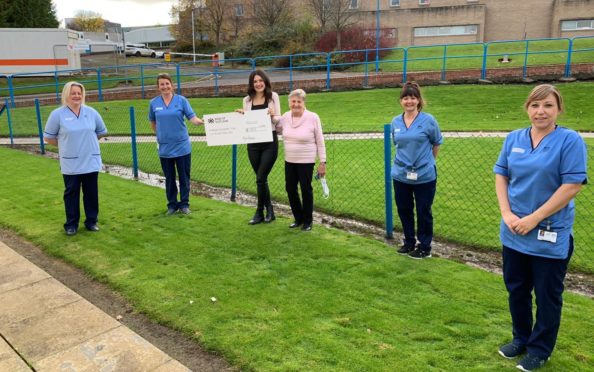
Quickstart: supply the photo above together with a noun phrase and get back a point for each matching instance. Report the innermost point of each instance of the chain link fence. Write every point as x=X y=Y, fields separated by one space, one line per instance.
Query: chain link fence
x=465 y=208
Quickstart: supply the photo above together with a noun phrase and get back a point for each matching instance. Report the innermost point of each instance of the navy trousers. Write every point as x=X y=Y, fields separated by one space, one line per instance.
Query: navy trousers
x=72 y=187
x=523 y=273
x=183 y=165
x=300 y=174
x=423 y=194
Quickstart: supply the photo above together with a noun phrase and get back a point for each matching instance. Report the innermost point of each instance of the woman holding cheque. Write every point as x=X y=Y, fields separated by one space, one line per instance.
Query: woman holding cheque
x=262 y=155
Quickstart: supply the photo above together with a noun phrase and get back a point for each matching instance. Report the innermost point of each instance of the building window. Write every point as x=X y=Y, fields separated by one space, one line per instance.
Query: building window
x=424 y=2
x=582 y=24
x=238 y=10
x=394 y=3
x=353 y=4
x=446 y=31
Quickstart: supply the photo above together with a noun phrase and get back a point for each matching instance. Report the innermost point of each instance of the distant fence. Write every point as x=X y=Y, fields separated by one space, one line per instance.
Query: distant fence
x=465 y=209
x=515 y=60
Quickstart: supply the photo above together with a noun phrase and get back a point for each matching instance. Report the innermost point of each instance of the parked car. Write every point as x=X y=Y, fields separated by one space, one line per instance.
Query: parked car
x=139 y=50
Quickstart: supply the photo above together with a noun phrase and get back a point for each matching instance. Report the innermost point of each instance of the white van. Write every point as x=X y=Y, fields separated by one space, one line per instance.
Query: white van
x=139 y=50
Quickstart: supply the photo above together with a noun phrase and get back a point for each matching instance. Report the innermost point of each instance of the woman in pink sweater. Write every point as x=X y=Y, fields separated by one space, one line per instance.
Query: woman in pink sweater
x=304 y=141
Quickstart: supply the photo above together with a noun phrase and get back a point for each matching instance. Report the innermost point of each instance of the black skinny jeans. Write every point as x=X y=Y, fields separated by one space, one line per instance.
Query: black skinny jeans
x=262 y=158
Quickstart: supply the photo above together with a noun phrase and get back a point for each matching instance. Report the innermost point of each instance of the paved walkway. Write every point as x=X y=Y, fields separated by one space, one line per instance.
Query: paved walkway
x=44 y=326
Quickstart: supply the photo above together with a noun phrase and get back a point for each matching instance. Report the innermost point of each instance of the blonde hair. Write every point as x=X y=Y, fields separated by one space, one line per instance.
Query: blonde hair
x=299 y=93
x=68 y=87
x=541 y=92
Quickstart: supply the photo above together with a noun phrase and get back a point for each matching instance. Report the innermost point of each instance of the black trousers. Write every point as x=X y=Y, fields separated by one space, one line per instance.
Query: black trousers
x=72 y=187
x=423 y=194
x=262 y=158
x=300 y=174
x=183 y=165
x=522 y=274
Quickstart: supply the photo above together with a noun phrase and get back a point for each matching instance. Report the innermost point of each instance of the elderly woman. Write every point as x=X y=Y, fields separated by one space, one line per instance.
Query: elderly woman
x=538 y=173
x=75 y=128
x=166 y=114
x=262 y=155
x=304 y=141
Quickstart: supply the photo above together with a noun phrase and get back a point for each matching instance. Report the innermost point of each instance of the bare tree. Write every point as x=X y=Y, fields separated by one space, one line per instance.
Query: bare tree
x=87 y=20
x=270 y=14
x=321 y=12
x=215 y=16
x=341 y=18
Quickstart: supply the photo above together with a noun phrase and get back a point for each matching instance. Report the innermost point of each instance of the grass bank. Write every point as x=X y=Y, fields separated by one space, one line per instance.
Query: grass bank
x=285 y=300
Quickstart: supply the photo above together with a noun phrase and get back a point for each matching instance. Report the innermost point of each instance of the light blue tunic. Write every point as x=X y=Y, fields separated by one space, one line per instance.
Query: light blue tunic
x=533 y=177
x=172 y=133
x=77 y=138
x=414 y=148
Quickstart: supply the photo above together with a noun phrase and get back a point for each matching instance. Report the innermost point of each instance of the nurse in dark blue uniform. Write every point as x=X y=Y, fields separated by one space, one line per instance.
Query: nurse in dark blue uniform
x=417 y=137
x=166 y=114
x=75 y=128
x=538 y=173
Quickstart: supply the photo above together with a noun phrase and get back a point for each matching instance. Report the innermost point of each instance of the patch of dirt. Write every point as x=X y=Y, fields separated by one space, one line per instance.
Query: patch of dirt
x=176 y=344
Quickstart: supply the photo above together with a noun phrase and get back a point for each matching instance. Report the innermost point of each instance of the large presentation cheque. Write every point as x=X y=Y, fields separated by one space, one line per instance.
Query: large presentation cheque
x=234 y=128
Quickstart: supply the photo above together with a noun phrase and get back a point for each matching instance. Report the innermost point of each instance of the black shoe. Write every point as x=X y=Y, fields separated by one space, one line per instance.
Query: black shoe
x=306 y=227
x=70 y=231
x=511 y=350
x=531 y=362
x=258 y=218
x=294 y=225
x=419 y=254
x=269 y=214
x=406 y=249
x=92 y=227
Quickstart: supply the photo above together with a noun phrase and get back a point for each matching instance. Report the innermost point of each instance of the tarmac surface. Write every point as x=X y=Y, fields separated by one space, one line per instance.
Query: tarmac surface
x=45 y=326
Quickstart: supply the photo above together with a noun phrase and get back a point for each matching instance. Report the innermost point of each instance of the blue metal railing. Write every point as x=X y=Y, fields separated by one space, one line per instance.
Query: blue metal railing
x=399 y=60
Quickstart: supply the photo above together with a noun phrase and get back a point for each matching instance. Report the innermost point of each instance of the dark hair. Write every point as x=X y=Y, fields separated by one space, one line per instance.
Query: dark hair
x=267 y=89
x=164 y=76
x=412 y=89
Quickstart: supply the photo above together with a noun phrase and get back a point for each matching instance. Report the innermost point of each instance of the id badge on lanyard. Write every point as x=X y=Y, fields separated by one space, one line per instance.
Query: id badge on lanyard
x=411 y=175
x=547 y=235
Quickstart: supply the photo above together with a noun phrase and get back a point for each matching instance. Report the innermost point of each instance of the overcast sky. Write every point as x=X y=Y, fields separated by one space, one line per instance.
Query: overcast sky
x=126 y=12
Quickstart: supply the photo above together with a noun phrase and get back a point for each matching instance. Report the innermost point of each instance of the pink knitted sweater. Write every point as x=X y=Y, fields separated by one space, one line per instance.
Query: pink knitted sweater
x=303 y=137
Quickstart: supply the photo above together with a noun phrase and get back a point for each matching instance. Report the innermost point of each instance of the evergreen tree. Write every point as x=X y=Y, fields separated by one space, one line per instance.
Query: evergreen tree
x=28 y=14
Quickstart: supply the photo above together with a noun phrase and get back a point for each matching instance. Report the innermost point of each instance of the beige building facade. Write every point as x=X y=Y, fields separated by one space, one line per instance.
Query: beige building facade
x=426 y=22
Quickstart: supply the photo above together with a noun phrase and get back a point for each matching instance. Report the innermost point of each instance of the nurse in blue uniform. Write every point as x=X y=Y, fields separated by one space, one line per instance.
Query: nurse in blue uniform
x=76 y=128
x=538 y=173
x=417 y=138
x=166 y=114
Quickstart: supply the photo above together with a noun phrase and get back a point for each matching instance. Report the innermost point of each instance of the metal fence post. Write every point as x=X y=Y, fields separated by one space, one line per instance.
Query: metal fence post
x=568 y=63
x=388 y=181
x=99 y=90
x=328 y=62
x=216 y=75
x=9 y=121
x=177 y=72
x=57 y=85
x=524 y=69
x=443 y=66
x=10 y=90
x=39 y=129
x=366 y=83
x=290 y=72
x=142 y=80
x=404 y=65
x=133 y=142
x=233 y=172
x=484 y=68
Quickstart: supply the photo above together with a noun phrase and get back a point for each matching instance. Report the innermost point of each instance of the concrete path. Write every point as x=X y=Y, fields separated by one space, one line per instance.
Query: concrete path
x=44 y=326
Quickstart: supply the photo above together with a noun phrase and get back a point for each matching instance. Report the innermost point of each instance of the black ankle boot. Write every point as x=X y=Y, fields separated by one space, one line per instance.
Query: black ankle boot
x=258 y=217
x=269 y=214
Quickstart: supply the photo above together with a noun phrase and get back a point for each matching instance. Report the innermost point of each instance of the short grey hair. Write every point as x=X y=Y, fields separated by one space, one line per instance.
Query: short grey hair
x=298 y=93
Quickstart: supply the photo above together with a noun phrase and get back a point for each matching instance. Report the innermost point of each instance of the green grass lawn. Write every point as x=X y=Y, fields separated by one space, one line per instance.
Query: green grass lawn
x=285 y=300
x=456 y=108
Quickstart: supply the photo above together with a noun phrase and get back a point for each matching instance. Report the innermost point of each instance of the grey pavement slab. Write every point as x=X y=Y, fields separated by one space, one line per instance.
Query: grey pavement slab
x=10 y=360
x=117 y=350
x=54 y=329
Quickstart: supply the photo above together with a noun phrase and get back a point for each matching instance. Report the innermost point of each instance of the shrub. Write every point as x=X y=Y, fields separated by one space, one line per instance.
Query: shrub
x=354 y=38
